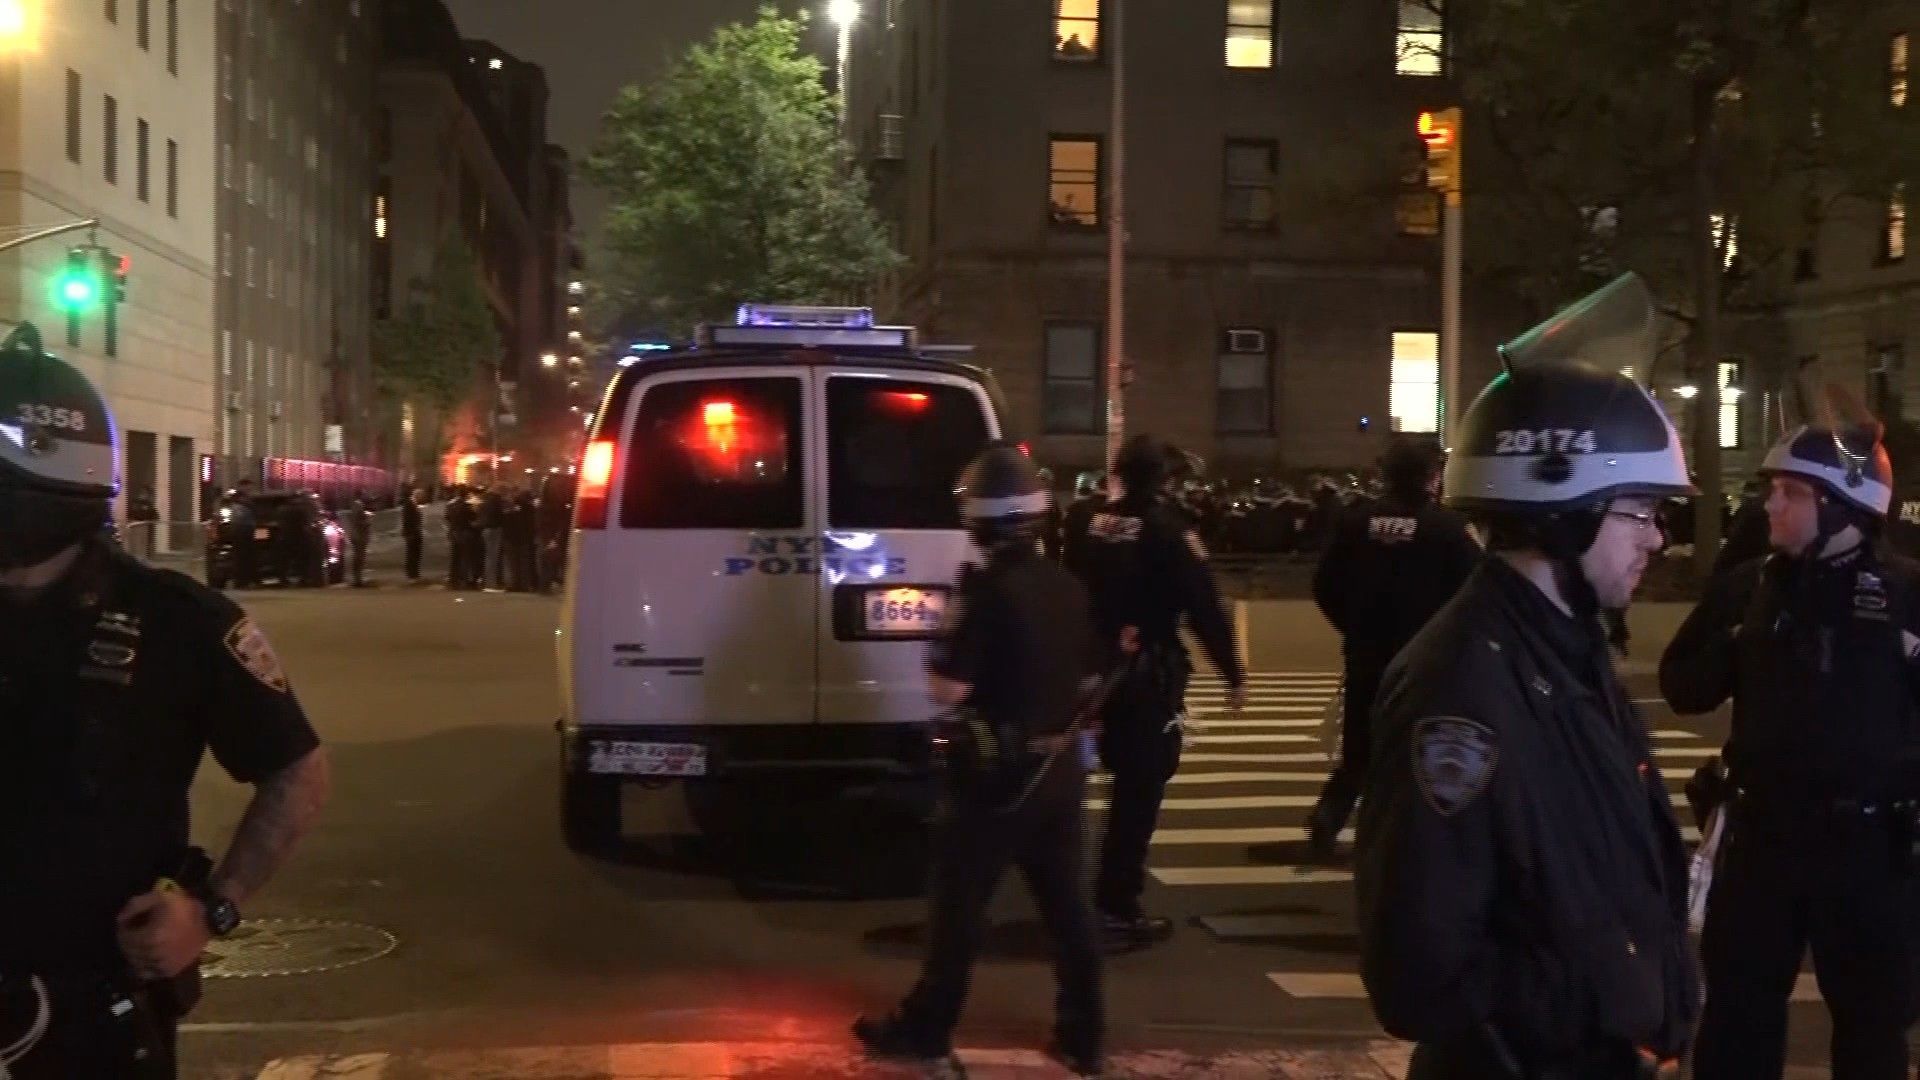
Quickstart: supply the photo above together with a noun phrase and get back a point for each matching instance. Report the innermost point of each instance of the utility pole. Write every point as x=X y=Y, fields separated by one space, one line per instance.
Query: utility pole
x=1441 y=132
x=1117 y=237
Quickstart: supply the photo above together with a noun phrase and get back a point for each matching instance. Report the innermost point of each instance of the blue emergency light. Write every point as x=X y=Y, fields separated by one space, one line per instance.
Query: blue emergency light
x=838 y=318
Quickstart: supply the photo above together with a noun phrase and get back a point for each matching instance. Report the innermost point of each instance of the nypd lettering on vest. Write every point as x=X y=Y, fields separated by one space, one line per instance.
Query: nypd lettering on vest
x=1393 y=530
x=779 y=556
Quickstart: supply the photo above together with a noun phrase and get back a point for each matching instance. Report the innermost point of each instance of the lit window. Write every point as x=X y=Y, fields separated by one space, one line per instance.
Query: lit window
x=1420 y=47
x=1897 y=77
x=1726 y=237
x=379 y=217
x=1073 y=190
x=1250 y=184
x=1242 y=376
x=1729 y=405
x=1896 y=238
x=1413 y=381
x=1076 y=29
x=1250 y=33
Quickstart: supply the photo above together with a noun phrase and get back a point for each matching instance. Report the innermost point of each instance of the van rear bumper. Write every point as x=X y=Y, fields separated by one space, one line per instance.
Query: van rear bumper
x=745 y=752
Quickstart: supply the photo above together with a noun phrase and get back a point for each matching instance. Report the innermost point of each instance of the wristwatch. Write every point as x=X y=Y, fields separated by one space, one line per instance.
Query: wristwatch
x=223 y=915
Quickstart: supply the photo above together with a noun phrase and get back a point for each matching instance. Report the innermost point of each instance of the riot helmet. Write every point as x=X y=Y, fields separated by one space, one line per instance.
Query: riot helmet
x=59 y=453
x=1002 y=500
x=1847 y=463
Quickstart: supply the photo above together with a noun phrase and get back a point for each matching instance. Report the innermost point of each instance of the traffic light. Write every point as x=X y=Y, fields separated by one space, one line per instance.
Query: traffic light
x=77 y=288
x=120 y=264
x=1440 y=131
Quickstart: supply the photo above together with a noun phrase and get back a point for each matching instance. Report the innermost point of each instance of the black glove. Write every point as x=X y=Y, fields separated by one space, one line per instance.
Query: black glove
x=1709 y=788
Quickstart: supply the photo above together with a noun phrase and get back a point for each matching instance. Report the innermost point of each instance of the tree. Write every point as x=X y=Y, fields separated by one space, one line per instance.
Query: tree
x=729 y=182
x=443 y=336
x=1695 y=141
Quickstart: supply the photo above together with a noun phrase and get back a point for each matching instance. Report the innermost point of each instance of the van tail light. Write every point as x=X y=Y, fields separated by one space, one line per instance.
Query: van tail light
x=596 y=474
x=1025 y=449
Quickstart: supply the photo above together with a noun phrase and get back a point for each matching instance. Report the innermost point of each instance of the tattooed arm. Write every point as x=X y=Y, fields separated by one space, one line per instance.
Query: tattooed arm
x=284 y=807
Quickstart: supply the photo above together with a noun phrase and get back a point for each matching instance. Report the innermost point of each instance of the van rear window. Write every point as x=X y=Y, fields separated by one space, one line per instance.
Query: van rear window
x=895 y=449
x=715 y=454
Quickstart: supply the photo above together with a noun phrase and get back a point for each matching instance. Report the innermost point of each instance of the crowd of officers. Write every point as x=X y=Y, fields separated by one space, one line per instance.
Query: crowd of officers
x=1525 y=898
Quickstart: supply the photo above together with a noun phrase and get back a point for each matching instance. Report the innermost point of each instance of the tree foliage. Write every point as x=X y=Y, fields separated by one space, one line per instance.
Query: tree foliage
x=440 y=337
x=1701 y=143
x=729 y=182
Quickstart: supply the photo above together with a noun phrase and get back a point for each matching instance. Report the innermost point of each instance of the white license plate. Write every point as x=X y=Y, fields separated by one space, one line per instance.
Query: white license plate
x=646 y=759
x=904 y=611
x=262 y=534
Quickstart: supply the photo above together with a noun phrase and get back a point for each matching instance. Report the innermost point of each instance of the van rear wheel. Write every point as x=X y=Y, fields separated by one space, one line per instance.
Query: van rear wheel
x=589 y=813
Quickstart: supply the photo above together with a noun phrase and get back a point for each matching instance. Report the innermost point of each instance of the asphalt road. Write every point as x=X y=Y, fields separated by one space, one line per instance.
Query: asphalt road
x=443 y=832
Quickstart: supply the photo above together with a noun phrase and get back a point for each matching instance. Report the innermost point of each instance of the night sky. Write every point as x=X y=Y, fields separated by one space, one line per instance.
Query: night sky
x=592 y=48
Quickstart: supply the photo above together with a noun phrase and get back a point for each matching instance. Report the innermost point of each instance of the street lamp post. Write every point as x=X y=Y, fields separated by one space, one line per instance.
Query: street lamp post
x=843 y=14
x=1117 y=240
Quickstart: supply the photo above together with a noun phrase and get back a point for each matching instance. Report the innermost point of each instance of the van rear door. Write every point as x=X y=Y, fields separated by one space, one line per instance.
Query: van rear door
x=893 y=446
x=697 y=602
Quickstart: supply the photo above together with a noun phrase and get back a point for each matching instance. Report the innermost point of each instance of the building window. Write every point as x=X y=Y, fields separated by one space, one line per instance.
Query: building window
x=1730 y=412
x=173 y=179
x=1413 y=381
x=1071 y=396
x=1251 y=168
x=226 y=76
x=270 y=289
x=1074 y=181
x=1076 y=30
x=1893 y=248
x=226 y=254
x=253 y=107
x=379 y=217
x=113 y=11
x=1243 y=375
x=73 y=116
x=249 y=183
x=173 y=37
x=142 y=28
x=110 y=128
x=1897 y=70
x=226 y=166
x=140 y=135
x=1250 y=42
x=249 y=266
x=1420 y=46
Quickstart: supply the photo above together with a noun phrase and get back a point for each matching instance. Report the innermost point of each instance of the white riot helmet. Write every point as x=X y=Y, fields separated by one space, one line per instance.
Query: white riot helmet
x=1849 y=464
x=59 y=452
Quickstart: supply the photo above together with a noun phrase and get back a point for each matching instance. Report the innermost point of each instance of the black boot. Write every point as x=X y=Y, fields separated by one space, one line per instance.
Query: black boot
x=1134 y=931
x=1079 y=1062
x=891 y=1039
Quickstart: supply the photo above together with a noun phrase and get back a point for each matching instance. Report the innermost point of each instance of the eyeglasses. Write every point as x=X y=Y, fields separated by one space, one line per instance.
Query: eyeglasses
x=1646 y=519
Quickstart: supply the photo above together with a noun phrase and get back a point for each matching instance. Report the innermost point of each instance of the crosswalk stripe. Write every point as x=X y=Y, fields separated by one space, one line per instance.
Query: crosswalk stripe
x=1303 y=757
x=1346 y=986
x=1249 y=875
x=1241 y=740
x=1226 y=802
x=1235 y=778
x=1223 y=721
x=1282 y=834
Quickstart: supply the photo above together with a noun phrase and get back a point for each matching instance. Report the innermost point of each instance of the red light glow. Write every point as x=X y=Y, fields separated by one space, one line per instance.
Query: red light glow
x=596 y=468
x=716 y=413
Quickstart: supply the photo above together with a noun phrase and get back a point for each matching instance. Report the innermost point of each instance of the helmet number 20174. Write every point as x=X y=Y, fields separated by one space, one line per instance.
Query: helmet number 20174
x=1545 y=441
x=51 y=417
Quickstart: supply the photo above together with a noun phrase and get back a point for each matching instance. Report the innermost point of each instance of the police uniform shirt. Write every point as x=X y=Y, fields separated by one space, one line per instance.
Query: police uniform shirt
x=115 y=682
x=1023 y=641
x=1390 y=565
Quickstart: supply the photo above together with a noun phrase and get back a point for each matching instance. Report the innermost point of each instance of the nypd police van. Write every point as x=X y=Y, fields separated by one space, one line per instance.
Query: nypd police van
x=765 y=537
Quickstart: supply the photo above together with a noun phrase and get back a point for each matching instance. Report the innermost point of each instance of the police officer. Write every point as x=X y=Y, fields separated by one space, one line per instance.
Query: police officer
x=1815 y=645
x=1145 y=570
x=1390 y=565
x=1021 y=659
x=1520 y=876
x=115 y=678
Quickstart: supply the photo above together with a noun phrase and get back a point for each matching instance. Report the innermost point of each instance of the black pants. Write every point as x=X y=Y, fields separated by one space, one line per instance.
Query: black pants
x=1140 y=746
x=1848 y=900
x=976 y=843
x=413 y=540
x=1473 y=1057
x=359 y=557
x=1349 y=778
x=85 y=1040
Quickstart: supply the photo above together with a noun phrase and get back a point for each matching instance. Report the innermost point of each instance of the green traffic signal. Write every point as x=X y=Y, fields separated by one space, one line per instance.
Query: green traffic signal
x=76 y=289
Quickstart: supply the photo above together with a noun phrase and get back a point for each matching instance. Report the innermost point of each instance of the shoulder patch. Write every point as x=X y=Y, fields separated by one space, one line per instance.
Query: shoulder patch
x=248 y=644
x=1453 y=760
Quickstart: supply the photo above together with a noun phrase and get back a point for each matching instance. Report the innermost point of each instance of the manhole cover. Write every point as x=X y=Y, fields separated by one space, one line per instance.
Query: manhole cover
x=293 y=947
